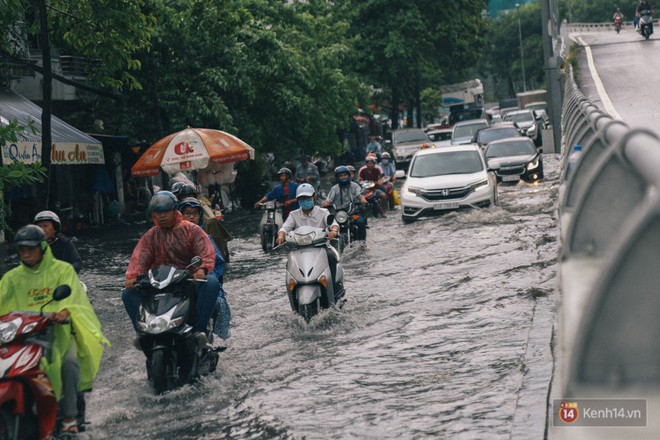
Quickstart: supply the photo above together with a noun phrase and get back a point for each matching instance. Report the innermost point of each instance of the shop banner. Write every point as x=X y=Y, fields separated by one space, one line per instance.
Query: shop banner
x=62 y=153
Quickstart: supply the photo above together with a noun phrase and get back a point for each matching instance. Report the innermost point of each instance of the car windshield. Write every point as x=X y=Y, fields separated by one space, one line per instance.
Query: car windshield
x=410 y=136
x=510 y=149
x=442 y=136
x=468 y=130
x=455 y=162
x=488 y=136
x=520 y=117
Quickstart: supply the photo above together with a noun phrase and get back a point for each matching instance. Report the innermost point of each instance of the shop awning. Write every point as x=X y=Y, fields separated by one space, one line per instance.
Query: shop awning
x=70 y=145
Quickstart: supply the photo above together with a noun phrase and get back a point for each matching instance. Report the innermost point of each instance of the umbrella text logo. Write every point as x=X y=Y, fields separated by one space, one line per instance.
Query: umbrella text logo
x=183 y=148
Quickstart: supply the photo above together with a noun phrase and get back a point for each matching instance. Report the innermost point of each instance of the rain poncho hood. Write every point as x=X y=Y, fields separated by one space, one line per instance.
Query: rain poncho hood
x=28 y=288
x=174 y=246
x=219 y=269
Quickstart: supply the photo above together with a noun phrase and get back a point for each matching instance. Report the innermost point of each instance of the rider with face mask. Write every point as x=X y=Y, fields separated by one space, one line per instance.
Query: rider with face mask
x=311 y=215
x=343 y=194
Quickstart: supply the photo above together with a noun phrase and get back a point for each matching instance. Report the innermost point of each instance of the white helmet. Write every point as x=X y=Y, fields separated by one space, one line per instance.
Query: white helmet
x=305 y=189
x=50 y=216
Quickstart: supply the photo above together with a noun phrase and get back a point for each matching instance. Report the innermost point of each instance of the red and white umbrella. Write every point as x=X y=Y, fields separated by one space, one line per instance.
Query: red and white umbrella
x=191 y=149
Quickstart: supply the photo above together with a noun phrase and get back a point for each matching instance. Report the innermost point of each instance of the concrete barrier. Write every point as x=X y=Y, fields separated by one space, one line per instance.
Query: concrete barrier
x=610 y=263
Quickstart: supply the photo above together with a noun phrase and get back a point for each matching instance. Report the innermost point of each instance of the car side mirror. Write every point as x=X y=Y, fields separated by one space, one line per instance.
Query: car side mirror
x=540 y=149
x=400 y=174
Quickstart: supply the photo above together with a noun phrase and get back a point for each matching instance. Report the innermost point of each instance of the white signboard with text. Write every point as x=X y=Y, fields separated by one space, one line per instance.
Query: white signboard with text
x=62 y=153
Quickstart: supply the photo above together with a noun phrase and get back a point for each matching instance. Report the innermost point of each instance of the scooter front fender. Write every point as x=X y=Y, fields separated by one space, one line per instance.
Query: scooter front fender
x=308 y=293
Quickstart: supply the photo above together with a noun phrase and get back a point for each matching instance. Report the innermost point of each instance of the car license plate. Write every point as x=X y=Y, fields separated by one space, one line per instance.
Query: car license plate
x=510 y=178
x=447 y=205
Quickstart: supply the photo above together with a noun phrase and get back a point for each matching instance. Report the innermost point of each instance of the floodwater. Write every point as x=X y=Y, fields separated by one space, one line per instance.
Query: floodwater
x=430 y=344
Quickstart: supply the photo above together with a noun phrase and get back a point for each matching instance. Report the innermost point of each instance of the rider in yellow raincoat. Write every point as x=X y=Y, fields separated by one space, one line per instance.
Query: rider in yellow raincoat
x=31 y=285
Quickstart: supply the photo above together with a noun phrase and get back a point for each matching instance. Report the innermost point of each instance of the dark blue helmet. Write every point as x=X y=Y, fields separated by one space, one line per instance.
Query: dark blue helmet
x=162 y=201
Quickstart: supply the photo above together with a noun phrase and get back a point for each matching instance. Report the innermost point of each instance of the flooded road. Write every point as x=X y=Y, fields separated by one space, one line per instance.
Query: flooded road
x=432 y=341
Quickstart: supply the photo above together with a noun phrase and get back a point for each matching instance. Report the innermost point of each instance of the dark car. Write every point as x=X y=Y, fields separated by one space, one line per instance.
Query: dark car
x=487 y=135
x=514 y=159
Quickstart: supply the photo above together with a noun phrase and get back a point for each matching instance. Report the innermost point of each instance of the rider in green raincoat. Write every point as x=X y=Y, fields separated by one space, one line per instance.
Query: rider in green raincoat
x=31 y=285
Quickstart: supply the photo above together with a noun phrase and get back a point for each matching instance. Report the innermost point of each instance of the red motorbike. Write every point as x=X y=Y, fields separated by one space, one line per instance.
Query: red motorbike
x=28 y=406
x=617 y=25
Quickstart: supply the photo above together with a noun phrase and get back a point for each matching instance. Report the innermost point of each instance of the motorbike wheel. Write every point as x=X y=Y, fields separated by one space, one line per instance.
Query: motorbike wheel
x=267 y=239
x=160 y=372
x=28 y=426
x=308 y=311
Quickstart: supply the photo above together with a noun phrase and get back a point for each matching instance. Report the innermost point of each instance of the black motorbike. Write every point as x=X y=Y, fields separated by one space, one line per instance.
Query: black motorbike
x=174 y=355
x=348 y=230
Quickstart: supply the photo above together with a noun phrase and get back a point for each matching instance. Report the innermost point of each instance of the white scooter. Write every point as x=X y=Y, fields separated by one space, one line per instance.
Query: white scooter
x=309 y=282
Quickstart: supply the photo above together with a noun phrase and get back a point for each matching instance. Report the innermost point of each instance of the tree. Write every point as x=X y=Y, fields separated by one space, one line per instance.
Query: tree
x=407 y=46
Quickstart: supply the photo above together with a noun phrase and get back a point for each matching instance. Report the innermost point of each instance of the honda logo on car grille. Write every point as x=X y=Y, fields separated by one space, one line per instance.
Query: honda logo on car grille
x=444 y=192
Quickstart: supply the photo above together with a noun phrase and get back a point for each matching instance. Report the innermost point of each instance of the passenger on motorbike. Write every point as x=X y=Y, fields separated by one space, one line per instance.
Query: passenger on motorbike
x=284 y=193
x=618 y=15
x=389 y=170
x=311 y=215
x=62 y=246
x=374 y=147
x=173 y=242
x=76 y=351
x=191 y=210
x=212 y=225
x=351 y=168
x=343 y=194
x=373 y=173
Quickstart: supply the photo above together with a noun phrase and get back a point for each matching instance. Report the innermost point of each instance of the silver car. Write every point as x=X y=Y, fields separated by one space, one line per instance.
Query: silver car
x=464 y=131
x=442 y=179
x=406 y=142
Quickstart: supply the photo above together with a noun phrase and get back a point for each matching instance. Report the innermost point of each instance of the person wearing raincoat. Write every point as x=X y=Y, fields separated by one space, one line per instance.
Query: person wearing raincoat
x=77 y=346
x=191 y=209
x=173 y=242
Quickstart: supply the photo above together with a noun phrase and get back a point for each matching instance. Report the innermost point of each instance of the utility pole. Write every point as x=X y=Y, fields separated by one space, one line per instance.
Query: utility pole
x=522 y=57
x=553 y=75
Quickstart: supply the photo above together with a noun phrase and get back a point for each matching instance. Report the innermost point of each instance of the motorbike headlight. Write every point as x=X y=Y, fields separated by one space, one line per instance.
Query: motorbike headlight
x=341 y=217
x=270 y=204
x=534 y=164
x=304 y=240
x=158 y=324
x=9 y=329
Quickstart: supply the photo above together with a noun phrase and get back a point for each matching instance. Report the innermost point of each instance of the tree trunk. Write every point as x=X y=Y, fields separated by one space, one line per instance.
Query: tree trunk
x=418 y=100
x=46 y=138
x=394 y=116
x=410 y=110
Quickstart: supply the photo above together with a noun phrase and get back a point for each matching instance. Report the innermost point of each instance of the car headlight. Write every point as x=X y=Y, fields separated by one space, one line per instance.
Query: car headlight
x=411 y=190
x=533 y=164
x=304 y=240
x=480 y=185
x=341 y=217
x=9 y=329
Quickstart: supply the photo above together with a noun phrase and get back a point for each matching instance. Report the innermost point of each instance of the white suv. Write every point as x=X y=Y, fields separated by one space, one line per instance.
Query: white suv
x=441 y=179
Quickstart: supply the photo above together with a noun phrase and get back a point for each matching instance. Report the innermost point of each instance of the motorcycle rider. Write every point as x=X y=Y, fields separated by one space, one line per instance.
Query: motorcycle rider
x=62 y=246
x=644 y=6
x=284 y=193
x=618 y=15
x=77 y=348
x=311 y=215
x=373 y=173
x=389 y=170
x=307 y=172
x=343 y=194
x=191 y=210
x=374 y=147
x=174 y=242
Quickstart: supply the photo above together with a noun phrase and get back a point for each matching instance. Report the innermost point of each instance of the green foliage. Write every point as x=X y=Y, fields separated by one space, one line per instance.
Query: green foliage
x=598 y=11
x=431 y=100
x=502 y=54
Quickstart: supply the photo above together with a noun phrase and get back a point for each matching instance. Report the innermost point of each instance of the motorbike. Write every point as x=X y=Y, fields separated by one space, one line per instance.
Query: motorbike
x=309 y=282
x=369 y=192
x=28 y=406
x=617 y=25
x=271 y=222
x=348 y=230
x=174 y=356
x=645 y=23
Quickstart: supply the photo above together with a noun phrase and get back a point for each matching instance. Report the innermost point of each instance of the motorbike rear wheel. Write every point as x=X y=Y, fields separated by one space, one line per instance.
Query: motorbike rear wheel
x=28 y=426
x=161 y=372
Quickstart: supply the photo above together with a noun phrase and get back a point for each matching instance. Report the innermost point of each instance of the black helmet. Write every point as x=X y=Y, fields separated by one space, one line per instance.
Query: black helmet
x=30 y=236
x=176 y=187
x=162 y=201
x=50 y=216
x=187 y=190
x=286 y=171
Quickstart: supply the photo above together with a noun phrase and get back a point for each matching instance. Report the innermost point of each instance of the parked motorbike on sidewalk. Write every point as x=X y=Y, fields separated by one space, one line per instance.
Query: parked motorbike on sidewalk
x=309 y=282
x=645 y=23
x=271 y=222
x=28 y=406
x=617 y=25
x=174 y=356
